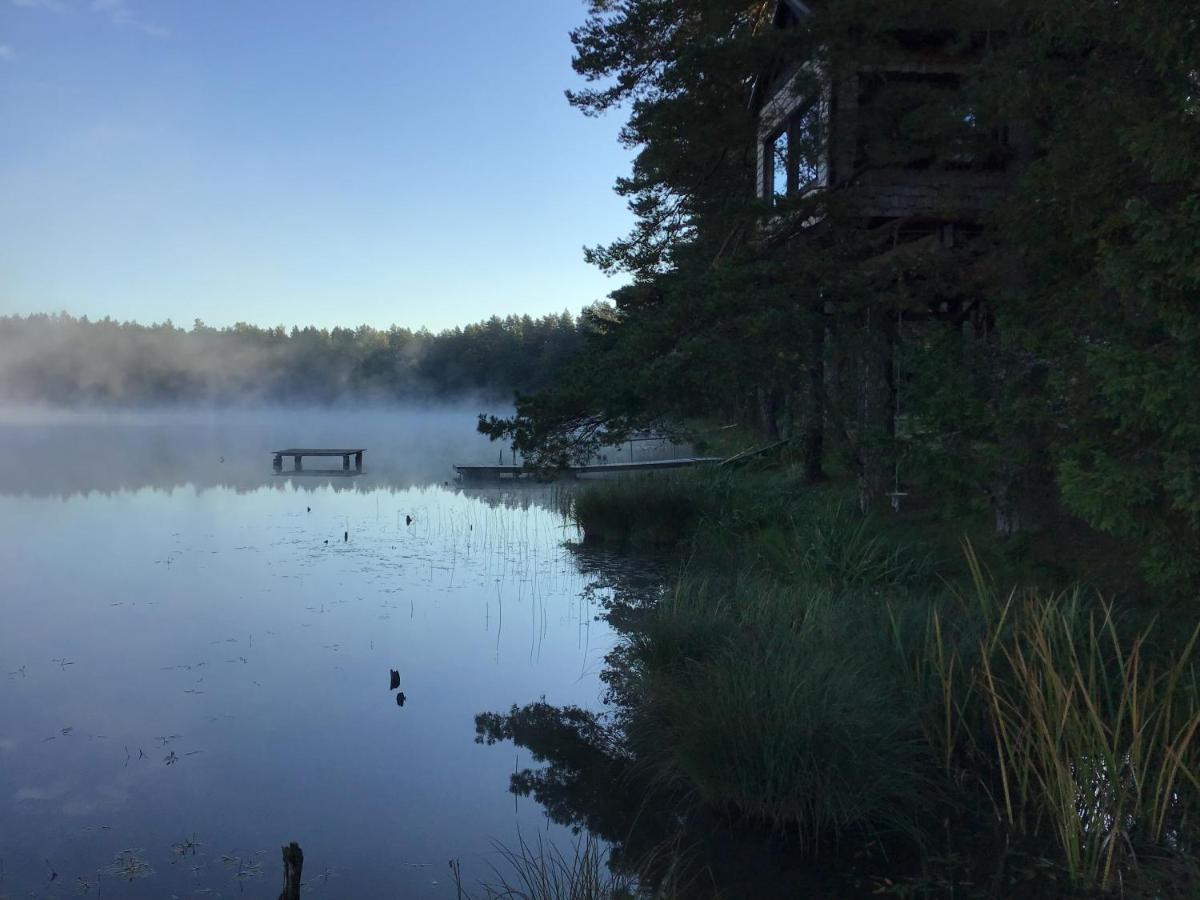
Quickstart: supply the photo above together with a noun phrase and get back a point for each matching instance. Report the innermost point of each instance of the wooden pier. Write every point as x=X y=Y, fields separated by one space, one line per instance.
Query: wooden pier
x=298 y=453
x=492 y=473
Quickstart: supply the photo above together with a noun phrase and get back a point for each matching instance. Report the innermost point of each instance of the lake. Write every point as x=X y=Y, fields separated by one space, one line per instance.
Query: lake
x=196 y=653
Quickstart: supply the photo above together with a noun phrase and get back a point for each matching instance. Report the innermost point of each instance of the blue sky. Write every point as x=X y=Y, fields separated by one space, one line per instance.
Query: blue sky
x=299 y=161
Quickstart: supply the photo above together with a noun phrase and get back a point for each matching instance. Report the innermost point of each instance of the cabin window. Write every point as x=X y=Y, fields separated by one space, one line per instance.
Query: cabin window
x=795 y=157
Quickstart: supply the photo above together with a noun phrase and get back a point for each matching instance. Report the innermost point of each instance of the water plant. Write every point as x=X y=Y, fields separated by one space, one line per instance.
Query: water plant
x=544 y=872
x=892 y=714
x=1088 y=736
x=752 y=695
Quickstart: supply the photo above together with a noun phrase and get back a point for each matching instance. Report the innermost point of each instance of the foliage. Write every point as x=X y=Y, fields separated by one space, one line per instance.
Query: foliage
x=813 y=677
x=1104 y=225
x=1043 y=365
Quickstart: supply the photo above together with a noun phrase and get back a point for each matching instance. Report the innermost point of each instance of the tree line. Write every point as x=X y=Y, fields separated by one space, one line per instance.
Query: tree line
x=69 y=361
x=1037 y=370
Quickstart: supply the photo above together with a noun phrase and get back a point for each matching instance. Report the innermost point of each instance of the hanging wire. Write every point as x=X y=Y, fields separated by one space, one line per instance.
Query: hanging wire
x=896 y=493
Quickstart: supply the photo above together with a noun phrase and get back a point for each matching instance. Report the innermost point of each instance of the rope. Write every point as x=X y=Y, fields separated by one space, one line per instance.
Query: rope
x=896 y=492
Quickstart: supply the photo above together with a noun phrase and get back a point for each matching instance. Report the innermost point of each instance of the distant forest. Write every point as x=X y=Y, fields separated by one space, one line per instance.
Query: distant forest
x=68 y=361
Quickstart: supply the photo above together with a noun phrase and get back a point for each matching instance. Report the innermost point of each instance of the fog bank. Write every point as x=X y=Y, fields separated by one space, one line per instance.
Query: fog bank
x=57 y=453
x=76 y=363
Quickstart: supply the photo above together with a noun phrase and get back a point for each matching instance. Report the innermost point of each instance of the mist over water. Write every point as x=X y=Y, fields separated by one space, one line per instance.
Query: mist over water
x=195 y=658
x=49 y=452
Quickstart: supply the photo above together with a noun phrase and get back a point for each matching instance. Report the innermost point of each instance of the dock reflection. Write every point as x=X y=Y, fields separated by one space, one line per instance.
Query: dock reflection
x=68 y=455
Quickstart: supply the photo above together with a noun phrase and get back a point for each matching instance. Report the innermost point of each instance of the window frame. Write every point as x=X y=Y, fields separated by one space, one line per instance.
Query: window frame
x=782 y=114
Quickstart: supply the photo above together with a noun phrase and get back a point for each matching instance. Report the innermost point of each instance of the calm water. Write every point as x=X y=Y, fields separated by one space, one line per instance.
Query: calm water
x=192 y=650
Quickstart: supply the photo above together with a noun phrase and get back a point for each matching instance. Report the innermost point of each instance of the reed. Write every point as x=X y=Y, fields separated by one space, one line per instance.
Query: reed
x=647 y=511
x=813 y=674
x=1095 y=742
x=707 y=506
x=541 y=872
x=1076 y=731
x=752 y=695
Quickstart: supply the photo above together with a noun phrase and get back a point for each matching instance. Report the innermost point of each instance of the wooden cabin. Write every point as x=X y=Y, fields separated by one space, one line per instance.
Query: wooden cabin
x=895 y=136
x=888 y=139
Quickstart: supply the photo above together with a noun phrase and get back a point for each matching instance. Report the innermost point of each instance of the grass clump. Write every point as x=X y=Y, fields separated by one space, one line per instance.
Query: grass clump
x=648 y=511
x=814 y=674
x=709 y=509
x=836 y=716
x=829 y=545
x=1082 y=736
x=751 y=696
x=541 y=872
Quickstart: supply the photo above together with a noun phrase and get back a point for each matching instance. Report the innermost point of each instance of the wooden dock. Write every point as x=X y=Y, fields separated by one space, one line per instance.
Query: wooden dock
x=298 y=453
x=492 y=473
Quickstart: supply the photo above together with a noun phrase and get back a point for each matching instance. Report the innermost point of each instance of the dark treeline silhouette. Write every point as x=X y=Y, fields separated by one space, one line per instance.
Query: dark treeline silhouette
x=64 y=360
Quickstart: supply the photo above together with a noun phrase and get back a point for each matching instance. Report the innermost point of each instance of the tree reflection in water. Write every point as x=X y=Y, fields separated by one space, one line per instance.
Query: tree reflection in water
x=593 y=775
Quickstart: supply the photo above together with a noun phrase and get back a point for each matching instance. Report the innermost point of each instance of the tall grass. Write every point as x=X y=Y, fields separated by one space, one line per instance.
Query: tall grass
x=1095 y=743
x=1077 y=733
x=529 y=872
x=662 y=510
x=647 y=511
x=840 y=711
x=783 y=705
x=830 y=544
x=811 y=674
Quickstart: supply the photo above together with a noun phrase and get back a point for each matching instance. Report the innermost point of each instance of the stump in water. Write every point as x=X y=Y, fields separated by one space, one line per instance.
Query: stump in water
x=293 y=864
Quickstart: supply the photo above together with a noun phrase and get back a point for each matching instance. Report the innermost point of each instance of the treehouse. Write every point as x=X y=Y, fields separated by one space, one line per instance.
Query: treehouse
x=871 y=143
x=890 y=138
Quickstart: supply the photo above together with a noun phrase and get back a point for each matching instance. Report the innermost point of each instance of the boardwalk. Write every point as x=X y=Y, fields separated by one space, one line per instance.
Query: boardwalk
x=491 y=473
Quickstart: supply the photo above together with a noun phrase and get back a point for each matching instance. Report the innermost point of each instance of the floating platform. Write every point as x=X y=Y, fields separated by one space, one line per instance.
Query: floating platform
x=493 y=473
x=298 y=453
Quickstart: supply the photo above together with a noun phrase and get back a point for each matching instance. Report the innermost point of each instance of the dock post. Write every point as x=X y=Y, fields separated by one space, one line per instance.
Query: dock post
x=278 y=461
x=358 y=460
x=293 y=869
x=346 y=462
x=296 y=462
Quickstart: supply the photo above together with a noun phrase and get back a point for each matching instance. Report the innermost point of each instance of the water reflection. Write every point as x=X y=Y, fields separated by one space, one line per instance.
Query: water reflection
x=592 y=773
x=192 y=653
x=64 y=455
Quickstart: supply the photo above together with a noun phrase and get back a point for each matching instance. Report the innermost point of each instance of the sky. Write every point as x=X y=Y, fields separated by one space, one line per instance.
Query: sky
x=409 y=162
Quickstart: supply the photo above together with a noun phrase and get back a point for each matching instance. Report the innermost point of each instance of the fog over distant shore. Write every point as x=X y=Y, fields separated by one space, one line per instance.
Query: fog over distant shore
x=60 y=360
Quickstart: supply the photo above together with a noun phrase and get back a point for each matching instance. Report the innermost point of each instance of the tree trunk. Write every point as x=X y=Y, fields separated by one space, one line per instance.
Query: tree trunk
x=769 y=405
x=813 y=437
x=877 y=408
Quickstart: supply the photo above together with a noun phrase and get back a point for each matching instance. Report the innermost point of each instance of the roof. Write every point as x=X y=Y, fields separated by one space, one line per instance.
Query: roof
x=799 y=9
